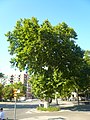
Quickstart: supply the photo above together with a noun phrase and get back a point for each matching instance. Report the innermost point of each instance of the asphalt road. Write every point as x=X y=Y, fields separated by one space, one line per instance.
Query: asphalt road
x=27 y=111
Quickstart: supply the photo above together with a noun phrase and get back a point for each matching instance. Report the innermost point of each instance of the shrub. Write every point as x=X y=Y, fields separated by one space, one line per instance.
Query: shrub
x=50 y=108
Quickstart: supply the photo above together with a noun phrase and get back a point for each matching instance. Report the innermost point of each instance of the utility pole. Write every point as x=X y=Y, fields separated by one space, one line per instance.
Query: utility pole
x=15 y=98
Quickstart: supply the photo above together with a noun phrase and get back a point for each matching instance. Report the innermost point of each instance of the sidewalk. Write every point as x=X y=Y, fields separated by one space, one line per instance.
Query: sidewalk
x=81 y=113
x=45 y=118
x=59 y=117
x=68 y=112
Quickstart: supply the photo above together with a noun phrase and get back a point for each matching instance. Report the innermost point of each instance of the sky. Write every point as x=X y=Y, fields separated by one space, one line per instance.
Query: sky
x=75 y=13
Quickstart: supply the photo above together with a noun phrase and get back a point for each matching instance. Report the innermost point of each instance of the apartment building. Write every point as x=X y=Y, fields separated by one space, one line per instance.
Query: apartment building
x=21 y=77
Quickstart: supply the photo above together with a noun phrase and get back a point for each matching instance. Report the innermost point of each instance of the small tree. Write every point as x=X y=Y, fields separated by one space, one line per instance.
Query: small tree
x=1 y=92
x=8 y=92
x=21 y=87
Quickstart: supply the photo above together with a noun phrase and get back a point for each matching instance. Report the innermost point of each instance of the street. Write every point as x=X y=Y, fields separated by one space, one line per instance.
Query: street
x=27 y=111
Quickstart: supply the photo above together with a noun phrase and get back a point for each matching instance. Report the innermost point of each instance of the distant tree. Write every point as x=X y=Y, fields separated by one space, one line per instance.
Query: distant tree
x=85 y=74
x=87 y=56
x=1 y=92
x=82 y=76
x=21 y=87
x=8 y=92
x=1 y=86
x=1 y=75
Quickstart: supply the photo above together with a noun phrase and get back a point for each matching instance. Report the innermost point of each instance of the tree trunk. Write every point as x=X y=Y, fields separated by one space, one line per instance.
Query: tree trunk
x=78 y=98
x=56 y=99
x=46 y=104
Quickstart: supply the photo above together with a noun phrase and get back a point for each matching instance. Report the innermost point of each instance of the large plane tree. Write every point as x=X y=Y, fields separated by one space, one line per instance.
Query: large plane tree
x=43 y=49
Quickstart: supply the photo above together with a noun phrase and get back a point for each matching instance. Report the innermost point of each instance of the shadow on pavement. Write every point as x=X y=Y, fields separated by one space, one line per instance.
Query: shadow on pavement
x=18 y=106
x=10 y=119
x=72 y=108
x=77 y=108
x=59 y=118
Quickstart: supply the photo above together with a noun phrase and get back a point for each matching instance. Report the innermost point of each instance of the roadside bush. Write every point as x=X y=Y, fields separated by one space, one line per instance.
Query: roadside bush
x=50 y=108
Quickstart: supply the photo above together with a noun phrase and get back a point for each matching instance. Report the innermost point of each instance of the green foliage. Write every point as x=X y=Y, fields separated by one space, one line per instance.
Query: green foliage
x=42 y=45
x=49 y=53
x=84 y=75
x=87 y=56
x=61 y=85
x=8 y=91
x=50 y=108
x=1 y=92
x=21 y=87
x=1 y=75
x=41 y=86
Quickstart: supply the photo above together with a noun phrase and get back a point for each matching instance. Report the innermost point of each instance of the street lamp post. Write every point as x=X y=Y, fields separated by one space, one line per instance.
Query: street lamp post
x=15 y=96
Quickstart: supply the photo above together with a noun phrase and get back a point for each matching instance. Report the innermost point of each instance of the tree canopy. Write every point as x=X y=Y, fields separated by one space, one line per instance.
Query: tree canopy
x=42 y=49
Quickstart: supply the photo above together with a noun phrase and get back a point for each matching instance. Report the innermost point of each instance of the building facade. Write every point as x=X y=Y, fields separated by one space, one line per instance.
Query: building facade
x=21 y=77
